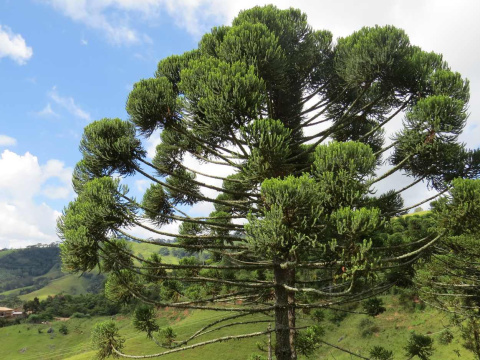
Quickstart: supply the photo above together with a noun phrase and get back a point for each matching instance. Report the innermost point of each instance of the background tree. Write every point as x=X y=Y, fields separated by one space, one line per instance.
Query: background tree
x=297 y=121
x=450 y=280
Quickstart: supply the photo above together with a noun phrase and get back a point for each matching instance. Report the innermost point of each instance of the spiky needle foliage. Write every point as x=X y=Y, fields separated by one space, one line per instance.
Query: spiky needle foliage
x=298 y=120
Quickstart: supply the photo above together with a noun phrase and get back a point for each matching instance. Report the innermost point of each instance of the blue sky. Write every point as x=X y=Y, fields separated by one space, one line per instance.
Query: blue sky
x=65 y=63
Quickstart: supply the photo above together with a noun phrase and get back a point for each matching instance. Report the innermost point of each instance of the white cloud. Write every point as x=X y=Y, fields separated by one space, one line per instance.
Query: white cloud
x=7 y=141
x=112 y=17
x=14 y=46
x=47 y=111
x=24 y=220
x=142 y=185
x=68 y=103
x=84 y=42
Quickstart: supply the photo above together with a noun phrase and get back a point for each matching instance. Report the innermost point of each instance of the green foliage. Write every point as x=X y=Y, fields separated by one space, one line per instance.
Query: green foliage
x=337 y=316
x=156 y=205
x=144 y=320
x=242 y=101
x=307 y=341
x=153 y=104
x=257 y=357
x=168 y=335
x=374 y=306
x=318 y=315
x=87 y=222
x=445 y=337
x=420 y=346
x=109 y=146
x=471 y=336
x=63 y=329
x=368 y=327
x=380 y=353
x=105 y=338
x=25 y=267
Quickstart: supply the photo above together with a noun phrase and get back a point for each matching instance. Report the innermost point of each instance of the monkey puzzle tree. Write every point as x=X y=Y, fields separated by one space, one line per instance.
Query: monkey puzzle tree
x=450 y=280
x=296 y=122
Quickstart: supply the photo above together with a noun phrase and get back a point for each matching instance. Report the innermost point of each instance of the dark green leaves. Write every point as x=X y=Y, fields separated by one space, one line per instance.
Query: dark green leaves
x=156 y=205
x=460 y=212
x=221 y=96
x=88 y=221
x=153 y=104
x=290 y=218
x=270 y=143
x=109 y=146
x=419 y=345
x=105 y=337
x=144 y=320
x=372 y=54
x=342 y=170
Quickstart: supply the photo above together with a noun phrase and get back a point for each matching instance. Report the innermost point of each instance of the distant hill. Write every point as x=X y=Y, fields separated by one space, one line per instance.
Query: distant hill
x=36 y=271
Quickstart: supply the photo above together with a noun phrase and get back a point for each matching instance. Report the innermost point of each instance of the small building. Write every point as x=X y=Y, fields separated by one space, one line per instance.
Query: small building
x=6 y=312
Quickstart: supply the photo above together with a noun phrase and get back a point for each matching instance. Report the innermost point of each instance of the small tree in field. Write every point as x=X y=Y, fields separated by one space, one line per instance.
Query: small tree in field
x=296 y=122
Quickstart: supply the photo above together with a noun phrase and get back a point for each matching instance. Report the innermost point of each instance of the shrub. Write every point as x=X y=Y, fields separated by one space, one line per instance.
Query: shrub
x=374 y=306
x=419 y=345
x=368 y=327
x=34 y=319
x=63 y=329
x=380 y=353
x=79 y=315
x=445 y=337
x=336 y=317
x=318 y=315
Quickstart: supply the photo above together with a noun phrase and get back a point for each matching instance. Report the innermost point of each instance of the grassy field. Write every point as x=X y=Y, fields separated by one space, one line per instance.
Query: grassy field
x=392 y=331
x=423 y=212
x=68 y=284
x=146 y=249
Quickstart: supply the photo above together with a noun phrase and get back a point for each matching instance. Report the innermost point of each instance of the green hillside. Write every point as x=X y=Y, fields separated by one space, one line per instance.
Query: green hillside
x=67 y=284
x=391 y=330
x=36 y=272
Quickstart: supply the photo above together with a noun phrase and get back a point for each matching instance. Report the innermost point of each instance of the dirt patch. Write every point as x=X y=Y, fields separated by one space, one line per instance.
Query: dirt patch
x=61 y=319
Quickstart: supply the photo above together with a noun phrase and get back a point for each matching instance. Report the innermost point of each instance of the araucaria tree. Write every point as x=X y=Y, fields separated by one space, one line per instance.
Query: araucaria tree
x=297 y=122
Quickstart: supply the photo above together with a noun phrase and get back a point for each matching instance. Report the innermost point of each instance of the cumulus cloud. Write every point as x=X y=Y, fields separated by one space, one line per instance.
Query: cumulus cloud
x=14 y=46
x=7 y=141
x=67 y=103
x=25 y=221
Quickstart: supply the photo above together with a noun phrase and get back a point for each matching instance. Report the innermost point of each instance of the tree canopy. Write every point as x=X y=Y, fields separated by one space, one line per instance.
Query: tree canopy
x=297 y=123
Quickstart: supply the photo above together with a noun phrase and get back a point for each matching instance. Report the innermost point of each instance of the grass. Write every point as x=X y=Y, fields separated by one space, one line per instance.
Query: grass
x=146 y=249
x=393 y=328
x=417 y=213
x=68 y=284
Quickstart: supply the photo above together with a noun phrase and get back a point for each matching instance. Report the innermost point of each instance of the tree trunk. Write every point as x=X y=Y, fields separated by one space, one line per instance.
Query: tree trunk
x=284 y=316
x=291 y=313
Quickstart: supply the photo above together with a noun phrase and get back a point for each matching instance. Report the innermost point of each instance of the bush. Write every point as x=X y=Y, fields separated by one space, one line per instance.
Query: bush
x=336 y=317
x=34 y=319
x=318 y=315
x=374 y=306
x=79 y=315
x=380 y=353
x=419 y=345
x=368 y=327
x=63 y=329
